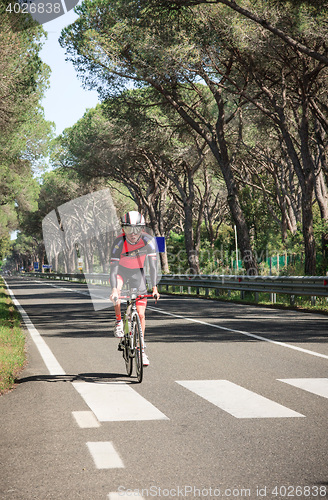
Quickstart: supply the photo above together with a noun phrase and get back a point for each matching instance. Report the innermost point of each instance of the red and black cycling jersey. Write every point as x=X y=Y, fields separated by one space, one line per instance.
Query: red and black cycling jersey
x=132 y=256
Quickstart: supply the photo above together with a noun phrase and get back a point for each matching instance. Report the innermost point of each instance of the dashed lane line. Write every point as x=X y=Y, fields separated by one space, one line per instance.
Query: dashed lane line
x=85 y=419
x=104 y=455
x=118 y=495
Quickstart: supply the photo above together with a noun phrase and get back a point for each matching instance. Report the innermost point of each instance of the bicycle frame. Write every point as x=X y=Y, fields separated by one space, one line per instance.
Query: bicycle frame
x=133 y=335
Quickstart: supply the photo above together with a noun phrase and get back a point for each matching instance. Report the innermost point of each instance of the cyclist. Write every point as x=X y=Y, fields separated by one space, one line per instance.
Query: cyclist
x=128 y=256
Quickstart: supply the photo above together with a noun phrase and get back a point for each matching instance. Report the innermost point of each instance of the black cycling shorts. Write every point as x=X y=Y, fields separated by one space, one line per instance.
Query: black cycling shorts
x=135 y=277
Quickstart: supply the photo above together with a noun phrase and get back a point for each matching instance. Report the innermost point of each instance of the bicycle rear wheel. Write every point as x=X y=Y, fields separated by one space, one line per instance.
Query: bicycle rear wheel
x=137 y=342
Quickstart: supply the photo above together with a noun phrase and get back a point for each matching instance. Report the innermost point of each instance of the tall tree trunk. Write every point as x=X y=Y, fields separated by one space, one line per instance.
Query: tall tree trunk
x=304 y=172
x=156 y=228
x=221 y=153
x=321 y=194
x=309 y=242
x=244 y=243
x=192 y=254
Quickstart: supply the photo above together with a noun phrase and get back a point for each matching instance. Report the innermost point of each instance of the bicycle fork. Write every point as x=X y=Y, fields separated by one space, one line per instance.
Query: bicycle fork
x=128 y=331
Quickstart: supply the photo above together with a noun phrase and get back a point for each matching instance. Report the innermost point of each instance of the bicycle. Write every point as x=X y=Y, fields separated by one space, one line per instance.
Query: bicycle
x=132 y=343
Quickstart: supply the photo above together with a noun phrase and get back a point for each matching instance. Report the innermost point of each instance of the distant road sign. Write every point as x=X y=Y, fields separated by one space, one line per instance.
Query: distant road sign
x=36 y=266
x=46 y=266
x=160 y=243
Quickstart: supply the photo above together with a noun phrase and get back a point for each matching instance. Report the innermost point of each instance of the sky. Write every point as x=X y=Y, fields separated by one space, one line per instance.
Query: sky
x=66 y=101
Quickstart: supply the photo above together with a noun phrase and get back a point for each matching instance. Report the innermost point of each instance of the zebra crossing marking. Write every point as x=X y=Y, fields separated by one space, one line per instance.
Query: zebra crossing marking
x=318 y=386
x=236 y=400
x=117 y=402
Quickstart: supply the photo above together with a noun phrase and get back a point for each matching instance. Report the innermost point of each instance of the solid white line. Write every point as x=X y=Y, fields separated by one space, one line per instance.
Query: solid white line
x=116 y=402
x=88 y=294
x=258 y=337
x=318 y=386
x=49 y=359
x=236 y=400
x=85 y=419
x=104 y=455
x=61 y=287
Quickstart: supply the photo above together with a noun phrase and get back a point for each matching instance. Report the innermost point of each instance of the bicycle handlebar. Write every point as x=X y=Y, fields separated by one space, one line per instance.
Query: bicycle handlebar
x=138 y=297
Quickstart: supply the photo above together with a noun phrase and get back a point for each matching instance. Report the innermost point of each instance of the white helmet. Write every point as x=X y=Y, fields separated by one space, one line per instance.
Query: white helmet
x=133 y=218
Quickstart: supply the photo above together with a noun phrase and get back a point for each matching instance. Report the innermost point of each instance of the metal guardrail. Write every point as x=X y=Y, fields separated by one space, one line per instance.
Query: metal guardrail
x=313 y=286
x=101 y=278
x=293 y=285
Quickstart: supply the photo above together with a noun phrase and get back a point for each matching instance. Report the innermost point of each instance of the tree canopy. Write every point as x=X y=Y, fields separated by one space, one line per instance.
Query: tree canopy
x=24 y=132
x=251 y=71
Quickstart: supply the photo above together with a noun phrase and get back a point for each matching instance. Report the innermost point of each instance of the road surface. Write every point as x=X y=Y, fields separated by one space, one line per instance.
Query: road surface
x=233 y=405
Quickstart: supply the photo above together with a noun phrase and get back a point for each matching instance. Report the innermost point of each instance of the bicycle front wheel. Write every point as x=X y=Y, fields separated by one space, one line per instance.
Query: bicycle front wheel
x=127 y=357
x=137 y=342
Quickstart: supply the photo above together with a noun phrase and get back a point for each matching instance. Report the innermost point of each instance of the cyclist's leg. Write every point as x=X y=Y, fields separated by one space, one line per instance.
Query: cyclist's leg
x=141 y=308
x=118 y=330
x=138 y=281
x=117 y=306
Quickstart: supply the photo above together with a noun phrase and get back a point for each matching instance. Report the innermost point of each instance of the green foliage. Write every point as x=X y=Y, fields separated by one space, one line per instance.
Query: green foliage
x=177 y=257
x=24 y=133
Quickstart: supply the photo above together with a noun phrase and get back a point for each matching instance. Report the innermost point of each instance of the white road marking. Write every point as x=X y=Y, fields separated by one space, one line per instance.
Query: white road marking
x=124 y=494
x=72 y=290
x=236 y=400
x=62 y=287
x=258 y=337
x=49 y=359
x=117 y=402
x=85 y=419
x=104 y=455
x=318 y=386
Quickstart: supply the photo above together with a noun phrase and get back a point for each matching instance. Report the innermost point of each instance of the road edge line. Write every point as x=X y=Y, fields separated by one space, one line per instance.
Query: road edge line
x=47 y=355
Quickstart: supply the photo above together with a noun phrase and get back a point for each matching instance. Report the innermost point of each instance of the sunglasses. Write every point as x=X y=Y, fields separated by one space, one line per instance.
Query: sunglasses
x=132 y=229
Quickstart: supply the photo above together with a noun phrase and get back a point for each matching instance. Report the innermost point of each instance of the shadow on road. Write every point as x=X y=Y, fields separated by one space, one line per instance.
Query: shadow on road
x=85 y=377
x=70 y=315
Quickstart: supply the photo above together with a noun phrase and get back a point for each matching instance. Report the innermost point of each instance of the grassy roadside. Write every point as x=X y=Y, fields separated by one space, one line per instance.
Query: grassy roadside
x=12 y=342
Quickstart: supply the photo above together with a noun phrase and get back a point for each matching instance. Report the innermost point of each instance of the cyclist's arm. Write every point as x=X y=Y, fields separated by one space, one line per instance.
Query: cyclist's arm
x=114 y=262
x=155 y=293
x=113 y=272
x=152 y=260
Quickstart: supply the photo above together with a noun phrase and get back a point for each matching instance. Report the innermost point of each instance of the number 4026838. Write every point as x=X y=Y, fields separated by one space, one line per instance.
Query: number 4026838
x=299 y=491
x=34 y=8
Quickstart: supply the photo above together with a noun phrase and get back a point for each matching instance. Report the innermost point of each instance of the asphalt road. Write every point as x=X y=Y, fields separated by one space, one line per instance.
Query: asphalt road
x=233 y=405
